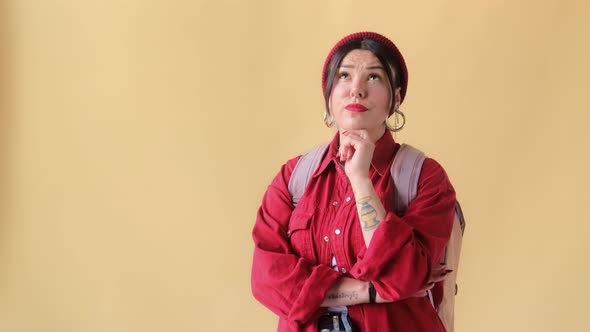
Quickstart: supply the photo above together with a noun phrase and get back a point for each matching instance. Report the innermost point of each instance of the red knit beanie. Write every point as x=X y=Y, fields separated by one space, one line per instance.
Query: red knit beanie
x=399 y=59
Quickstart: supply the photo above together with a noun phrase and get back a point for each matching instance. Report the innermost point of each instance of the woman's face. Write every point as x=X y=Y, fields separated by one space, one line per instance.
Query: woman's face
x=361 y=94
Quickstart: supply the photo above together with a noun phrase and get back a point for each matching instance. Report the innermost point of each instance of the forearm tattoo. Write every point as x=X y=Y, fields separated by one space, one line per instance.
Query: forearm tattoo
x=368 y=214
x=343 y=295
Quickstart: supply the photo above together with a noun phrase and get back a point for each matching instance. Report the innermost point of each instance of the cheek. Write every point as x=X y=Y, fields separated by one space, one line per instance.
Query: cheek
x=339 y=92
x=383 y=97
x=335 y=98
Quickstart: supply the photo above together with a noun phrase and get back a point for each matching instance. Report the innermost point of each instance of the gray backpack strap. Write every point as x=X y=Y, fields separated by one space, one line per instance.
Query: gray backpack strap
x=306 y=166
x=405 y=171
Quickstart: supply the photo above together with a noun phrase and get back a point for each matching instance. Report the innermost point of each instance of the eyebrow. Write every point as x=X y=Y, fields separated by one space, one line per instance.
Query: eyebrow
x=370 y=67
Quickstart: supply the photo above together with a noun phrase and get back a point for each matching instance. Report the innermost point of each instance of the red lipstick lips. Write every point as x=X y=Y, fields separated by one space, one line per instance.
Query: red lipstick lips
x=356 y=108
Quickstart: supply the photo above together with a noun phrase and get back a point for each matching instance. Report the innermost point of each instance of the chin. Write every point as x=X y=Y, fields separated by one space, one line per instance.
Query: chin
x=354 y=125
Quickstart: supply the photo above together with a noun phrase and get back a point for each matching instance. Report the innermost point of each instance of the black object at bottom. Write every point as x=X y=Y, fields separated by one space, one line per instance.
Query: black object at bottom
x=333 y=321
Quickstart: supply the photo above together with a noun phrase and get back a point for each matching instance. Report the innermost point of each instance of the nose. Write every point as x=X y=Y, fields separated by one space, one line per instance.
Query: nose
x=358 y=90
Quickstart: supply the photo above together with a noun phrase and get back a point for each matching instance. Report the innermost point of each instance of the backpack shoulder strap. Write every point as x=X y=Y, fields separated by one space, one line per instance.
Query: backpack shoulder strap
x=306 y=166
x=405 y=171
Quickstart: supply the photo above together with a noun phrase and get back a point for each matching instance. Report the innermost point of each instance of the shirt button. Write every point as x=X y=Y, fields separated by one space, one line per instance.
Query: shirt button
x=337 y=232
x=347 y=199
x=335 y=203
x=343 y=270
x=326 y=238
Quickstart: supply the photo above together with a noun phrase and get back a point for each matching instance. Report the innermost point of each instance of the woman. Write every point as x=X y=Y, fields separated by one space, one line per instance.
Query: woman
x=341 y=259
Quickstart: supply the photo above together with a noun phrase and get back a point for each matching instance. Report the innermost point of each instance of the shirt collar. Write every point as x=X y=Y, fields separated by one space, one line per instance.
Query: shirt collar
x=382 y=156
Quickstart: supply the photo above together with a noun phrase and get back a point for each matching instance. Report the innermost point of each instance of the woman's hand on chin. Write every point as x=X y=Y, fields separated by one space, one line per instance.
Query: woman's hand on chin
x=356 y=150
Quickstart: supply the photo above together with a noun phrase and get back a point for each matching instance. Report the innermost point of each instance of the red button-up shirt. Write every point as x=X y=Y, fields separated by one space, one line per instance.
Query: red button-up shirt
x=292 y=271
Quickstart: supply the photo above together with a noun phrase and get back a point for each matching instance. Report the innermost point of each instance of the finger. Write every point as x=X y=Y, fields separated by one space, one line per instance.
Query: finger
x=424 y=291
x=349 y=153
x=441 y=269
x=355 y=144
x=354 y=139
x=362 y=133
x=342 y=149
x=441 y=266
x=421 y=294
x=440 y=277
x=345 y=152
x=438 y=270
x=437 y=278
x=347 y=141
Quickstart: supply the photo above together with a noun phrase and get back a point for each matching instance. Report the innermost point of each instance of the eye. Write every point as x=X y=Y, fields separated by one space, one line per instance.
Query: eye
x=374 y=77
x=343 y=75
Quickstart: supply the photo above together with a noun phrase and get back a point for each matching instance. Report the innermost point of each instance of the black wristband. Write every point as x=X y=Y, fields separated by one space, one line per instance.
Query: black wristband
x=372 y=293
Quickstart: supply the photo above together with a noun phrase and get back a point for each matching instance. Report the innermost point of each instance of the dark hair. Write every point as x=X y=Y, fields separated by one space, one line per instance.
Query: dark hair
x=384 y=54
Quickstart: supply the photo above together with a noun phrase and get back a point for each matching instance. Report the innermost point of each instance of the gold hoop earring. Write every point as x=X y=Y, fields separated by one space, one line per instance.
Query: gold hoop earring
x=397 y=127
x=331 y=122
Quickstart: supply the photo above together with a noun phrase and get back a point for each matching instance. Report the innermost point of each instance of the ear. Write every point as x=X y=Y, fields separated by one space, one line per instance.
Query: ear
x=397 y=100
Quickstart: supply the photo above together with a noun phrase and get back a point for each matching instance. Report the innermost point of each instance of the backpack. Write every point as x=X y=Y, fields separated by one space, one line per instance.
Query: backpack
x=405 y=171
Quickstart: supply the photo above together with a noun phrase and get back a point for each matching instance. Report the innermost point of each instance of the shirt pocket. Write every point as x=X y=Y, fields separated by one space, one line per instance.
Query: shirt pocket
x=300 y=235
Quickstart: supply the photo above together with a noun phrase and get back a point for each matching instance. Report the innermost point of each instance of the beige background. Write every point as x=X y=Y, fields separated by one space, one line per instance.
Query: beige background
x=138 y=137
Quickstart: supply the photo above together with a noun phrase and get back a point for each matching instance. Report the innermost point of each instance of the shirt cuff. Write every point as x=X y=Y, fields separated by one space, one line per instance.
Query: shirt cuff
x=313 y=293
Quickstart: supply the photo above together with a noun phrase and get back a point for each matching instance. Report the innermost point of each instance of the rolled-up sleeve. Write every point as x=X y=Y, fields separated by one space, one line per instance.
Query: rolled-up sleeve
x=403 y=250
x=291 y=286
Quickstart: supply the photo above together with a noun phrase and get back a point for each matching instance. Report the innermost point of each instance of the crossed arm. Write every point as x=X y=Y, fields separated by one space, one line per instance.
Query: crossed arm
x=356 y=150
x=349 y=291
